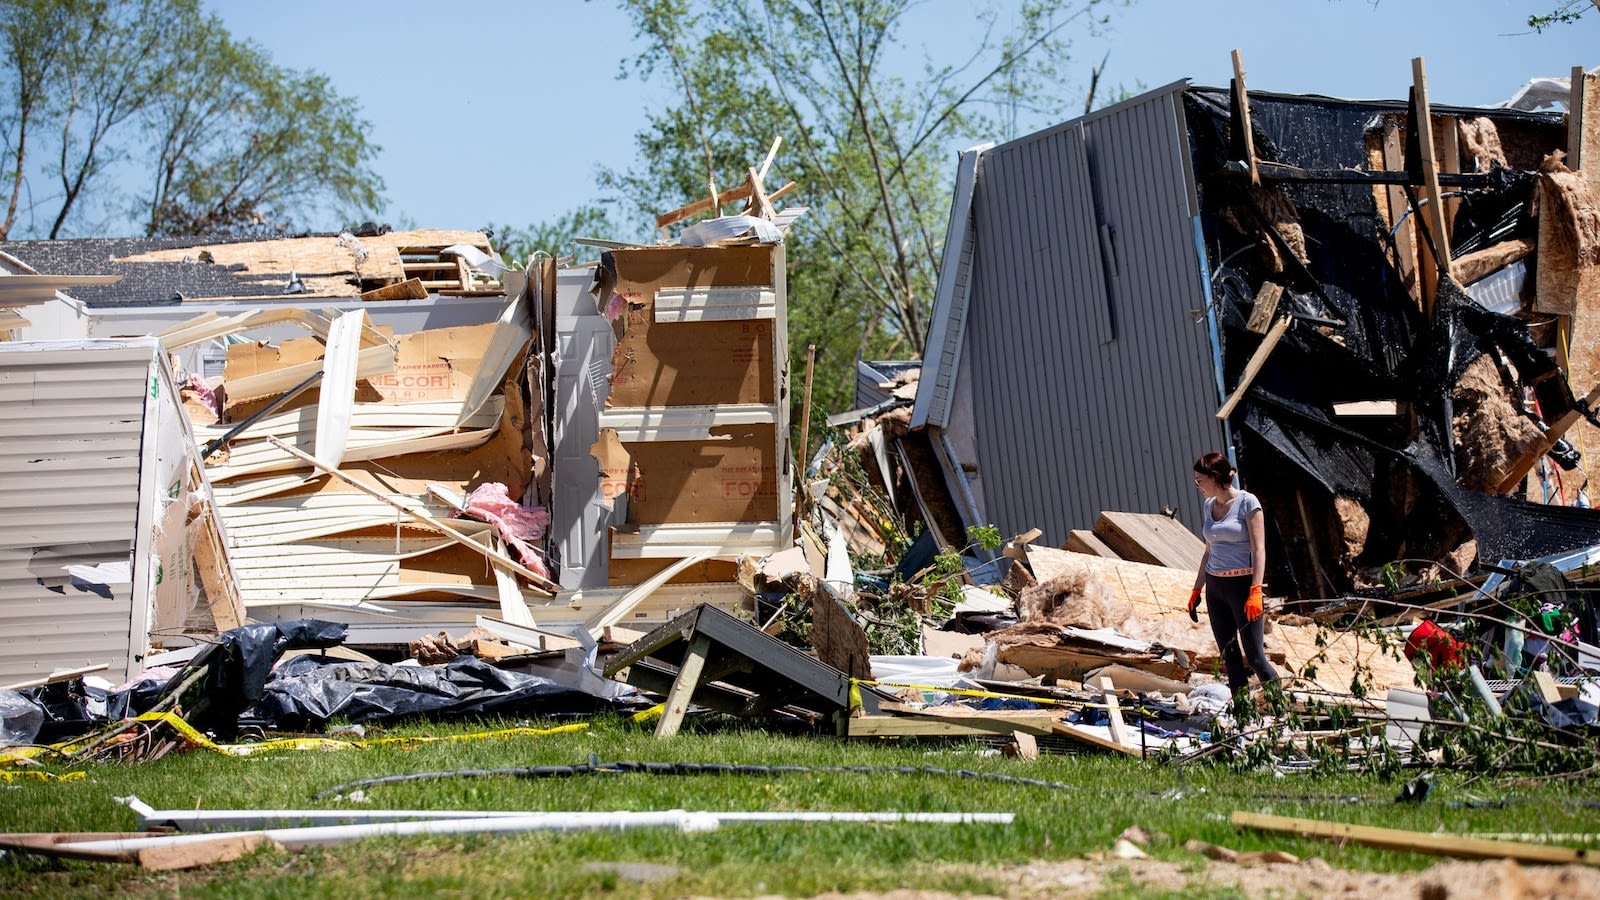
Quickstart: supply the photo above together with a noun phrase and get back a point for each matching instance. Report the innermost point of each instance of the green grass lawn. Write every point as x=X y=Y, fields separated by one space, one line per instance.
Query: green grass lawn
x=1106 y=795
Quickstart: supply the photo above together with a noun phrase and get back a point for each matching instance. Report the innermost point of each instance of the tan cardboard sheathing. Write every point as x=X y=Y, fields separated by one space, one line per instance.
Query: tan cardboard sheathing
x=733 y=480
x=690 y=363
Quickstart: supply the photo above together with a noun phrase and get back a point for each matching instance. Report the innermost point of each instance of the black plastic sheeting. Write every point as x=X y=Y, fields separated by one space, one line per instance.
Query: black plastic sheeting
x=305 y=693
x=238 y=665
x=1291 y=448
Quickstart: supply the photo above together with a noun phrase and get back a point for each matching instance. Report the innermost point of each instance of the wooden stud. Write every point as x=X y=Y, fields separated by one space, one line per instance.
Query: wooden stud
x=1398 y=196
x=1415 y=841
x=1119 y=729
x=1253 y=367
x=766 y=164
x=805 y=414
x=694 y=663
x=1575 y=120
x=1242 y=97
x=1434 y=209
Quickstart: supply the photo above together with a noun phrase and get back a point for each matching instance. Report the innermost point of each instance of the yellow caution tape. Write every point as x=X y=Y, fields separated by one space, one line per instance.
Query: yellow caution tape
x=649 y=715
x=962 y=692
x=195 y=738
x=31 y=775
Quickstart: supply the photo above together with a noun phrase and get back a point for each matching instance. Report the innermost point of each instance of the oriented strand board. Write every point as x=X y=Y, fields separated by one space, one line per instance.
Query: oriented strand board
x=1154 y=539
x=1157 y=600
x=327 y=268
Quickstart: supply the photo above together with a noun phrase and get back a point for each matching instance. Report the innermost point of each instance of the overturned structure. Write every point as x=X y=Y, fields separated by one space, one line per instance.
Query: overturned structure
x=1385 y=324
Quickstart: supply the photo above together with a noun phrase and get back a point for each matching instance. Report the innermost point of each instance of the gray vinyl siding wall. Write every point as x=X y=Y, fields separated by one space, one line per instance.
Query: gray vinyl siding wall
x=71 y=425
x=1092 y=380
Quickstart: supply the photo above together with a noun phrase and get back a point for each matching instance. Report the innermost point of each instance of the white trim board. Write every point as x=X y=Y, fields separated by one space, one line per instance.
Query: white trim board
x=716 y=539
x=715 y=304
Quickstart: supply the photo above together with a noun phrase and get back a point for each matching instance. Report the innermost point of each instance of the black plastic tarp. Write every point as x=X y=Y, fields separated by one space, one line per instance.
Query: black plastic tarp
x=305 y=693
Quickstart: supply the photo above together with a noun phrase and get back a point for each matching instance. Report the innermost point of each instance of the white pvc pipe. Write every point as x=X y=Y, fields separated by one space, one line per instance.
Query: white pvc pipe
x=201 y=820
x=296 y=838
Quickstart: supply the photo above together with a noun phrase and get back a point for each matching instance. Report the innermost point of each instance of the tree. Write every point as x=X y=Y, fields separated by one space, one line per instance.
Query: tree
x=233 y=141
x=1565 y=12
x=869 y=146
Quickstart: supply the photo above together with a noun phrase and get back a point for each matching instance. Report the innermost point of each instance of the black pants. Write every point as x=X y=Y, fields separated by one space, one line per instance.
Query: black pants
x=1242 y=643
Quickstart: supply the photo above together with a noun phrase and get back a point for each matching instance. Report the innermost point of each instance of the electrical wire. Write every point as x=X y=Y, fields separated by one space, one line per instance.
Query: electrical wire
x=595 y=767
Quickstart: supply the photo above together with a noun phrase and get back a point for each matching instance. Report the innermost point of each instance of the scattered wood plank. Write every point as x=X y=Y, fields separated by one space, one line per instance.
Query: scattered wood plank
x=1027 y=746
x=1119 y=729
x=1088 y=734
x=55 y=677
x=1082 y=541
x=1149 y=538
x=1253 y=367
x=1367 y=408
x=1415 y=841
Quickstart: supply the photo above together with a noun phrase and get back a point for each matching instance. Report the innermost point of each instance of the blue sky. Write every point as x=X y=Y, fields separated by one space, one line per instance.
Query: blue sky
x=500 y=112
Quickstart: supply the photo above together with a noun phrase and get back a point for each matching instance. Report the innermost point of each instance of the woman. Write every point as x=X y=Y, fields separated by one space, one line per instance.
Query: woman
x=1231 y=571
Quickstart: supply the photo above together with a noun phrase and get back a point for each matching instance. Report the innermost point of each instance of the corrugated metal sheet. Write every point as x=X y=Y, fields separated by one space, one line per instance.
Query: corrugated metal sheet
x=1090 y=372
x=70 y=431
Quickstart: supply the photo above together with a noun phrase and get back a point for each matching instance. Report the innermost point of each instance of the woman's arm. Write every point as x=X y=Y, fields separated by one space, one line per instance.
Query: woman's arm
x=1258 y=547
x=1200 y=577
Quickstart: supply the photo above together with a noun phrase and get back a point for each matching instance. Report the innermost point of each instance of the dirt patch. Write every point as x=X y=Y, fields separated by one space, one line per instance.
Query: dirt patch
x=1499 y=879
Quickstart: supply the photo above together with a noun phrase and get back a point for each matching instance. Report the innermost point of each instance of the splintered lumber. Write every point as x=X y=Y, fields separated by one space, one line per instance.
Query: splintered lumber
x=410 y=289
x=540 y=584
x=199 y=851
x=1439 y=236
x=742 y=192
x=1265 y=307
x=1241 y=97
x=1416 y=841
x=1253 y=367
x=1082 y=541
x=1530 y=457
x=1154 y=539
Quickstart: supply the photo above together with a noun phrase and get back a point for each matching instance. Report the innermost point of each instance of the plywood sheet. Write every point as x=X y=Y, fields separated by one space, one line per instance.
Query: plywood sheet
x=1157 y=599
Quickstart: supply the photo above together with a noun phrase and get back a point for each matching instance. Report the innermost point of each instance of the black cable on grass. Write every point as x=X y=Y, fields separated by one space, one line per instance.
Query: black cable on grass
x=595 y=767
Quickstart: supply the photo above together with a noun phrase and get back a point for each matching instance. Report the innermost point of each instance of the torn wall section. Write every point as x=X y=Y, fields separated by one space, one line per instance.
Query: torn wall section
x=689 y=453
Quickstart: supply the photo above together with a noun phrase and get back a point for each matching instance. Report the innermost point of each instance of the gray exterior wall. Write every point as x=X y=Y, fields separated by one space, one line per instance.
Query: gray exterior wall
x=1089 y=354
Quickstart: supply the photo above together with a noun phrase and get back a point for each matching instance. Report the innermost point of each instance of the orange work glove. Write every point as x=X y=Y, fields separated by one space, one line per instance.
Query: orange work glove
x=1194 y=605
x=1252 y=604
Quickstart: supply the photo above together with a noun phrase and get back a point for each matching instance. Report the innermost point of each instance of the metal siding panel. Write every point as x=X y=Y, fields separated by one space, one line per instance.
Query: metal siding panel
x=1068 y=426
x=69 y=475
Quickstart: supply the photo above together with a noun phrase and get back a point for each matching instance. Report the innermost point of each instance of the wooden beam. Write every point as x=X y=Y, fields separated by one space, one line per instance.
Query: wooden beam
x=540 y=584
x=1434 y=210
x=1530 y=457
x=1253 y=367
x=694 y=663
x=766 y=164
x=1242 y=98
x=1119 y=729
x=742 y=192
x=1415 y=841
x=1405 y=246
x=1575 y=121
